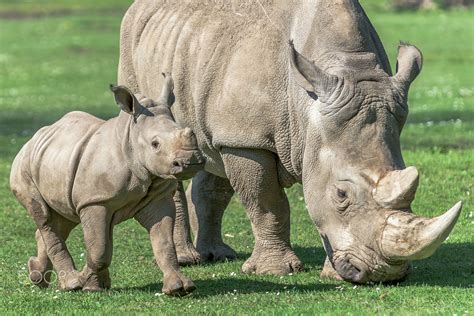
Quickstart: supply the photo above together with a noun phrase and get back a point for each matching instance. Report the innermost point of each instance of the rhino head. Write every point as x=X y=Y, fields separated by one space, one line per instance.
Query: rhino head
x=154 y=140
x=355 y=182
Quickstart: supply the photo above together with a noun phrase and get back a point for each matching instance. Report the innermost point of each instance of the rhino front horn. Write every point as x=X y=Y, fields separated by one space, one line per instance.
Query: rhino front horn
x=410 y=237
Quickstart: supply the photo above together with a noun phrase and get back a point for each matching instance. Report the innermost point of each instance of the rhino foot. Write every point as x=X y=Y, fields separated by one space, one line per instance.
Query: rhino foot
x=69 y=280
x=272 y=261
x=329 y=272
x=177 y=284
x=39 y=272
x=216 y=252
x=187 y=255
x=95 y=281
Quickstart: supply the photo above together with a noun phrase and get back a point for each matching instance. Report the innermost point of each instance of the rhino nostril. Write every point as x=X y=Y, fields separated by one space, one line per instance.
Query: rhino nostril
x=176 y=164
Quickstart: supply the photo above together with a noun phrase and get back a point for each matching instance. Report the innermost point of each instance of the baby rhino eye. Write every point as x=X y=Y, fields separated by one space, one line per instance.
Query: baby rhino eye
x=155 y=144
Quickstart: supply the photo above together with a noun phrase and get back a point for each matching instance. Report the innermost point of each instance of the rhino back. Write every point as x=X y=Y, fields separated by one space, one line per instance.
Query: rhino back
x=52 y=157
x=229 y=78
x=230 y=61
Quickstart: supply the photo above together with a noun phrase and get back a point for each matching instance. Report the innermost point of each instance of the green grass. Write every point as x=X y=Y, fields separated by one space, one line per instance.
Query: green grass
x=52 y=65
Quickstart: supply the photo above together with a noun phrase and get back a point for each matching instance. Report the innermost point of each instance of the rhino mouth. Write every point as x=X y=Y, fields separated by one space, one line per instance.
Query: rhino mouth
x=186 y=170
x=356 y=270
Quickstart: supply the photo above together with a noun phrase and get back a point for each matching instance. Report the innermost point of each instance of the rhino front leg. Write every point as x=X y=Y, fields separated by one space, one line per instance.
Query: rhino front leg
x=158 y=219
x=185 y=250
x=253 y=174
x=97 y=226
x=208 y=196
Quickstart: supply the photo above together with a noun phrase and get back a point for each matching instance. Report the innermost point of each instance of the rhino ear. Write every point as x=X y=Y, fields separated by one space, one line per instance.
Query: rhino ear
x=126 y=100
x=310 y=77
x=409 y=64
x=167 y=97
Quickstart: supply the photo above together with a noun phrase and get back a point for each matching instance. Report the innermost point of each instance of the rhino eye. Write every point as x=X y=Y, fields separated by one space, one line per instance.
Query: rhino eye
x=341 y=199
x=341 y=194
x=155 y=144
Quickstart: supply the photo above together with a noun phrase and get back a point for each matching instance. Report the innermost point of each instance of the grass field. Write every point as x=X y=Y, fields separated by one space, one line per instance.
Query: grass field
x=58 y=56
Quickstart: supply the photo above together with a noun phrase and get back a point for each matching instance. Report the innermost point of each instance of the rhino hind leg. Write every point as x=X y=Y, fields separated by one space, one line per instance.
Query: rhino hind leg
x=185 y=250
x=253 y=174
x=208 y=196
x=53 y=229
x=39 y=266
x=54 y=235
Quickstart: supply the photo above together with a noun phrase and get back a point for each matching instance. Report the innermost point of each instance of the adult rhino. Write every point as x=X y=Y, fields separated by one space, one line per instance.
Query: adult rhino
x=267 y=116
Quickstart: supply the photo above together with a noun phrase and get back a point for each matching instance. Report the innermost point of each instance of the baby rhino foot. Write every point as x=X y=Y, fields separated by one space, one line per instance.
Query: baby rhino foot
x=69 y=280
x=39 y=273
x=95 y=281
x=176 y=284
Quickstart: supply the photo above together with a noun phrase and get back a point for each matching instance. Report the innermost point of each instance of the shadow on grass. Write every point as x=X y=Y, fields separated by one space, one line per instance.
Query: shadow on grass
x=222 y=286
x=451 y=266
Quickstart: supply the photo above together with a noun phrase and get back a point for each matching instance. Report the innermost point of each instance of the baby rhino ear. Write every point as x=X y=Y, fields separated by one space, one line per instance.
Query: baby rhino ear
x=167 y=96
x=126 y=100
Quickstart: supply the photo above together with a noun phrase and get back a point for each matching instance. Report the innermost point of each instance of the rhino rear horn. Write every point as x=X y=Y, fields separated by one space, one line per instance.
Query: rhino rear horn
x=310 y=77
x=167 y=96
x=396 y=190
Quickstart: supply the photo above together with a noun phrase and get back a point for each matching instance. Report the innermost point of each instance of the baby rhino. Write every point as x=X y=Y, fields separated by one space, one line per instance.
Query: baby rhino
x=99 y=173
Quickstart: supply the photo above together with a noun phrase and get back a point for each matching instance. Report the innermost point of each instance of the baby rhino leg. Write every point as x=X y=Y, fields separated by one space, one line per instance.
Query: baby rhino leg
x=158 y=219
x=97 y=225
x=40 y=267
x=53 y=229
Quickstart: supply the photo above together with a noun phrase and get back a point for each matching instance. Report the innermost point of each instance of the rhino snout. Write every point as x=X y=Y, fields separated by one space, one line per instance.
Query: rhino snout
x=349 y=272
x=186 y=165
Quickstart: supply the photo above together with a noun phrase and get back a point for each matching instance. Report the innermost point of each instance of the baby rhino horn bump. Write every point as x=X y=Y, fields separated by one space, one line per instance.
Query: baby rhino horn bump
x=396 y=190
x=410 y=237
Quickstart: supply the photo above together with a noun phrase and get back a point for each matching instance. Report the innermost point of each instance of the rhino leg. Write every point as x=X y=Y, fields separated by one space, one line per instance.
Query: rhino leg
x=53 y=230
x=40 y=266
x=158 y=219
x=97 y=226
x=208 y=196
x=185 y=250
x=253 y=174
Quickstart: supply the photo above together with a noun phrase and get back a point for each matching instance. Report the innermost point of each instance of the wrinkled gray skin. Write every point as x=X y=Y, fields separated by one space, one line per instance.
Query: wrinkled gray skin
x=100 y=173
x=267 y=116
